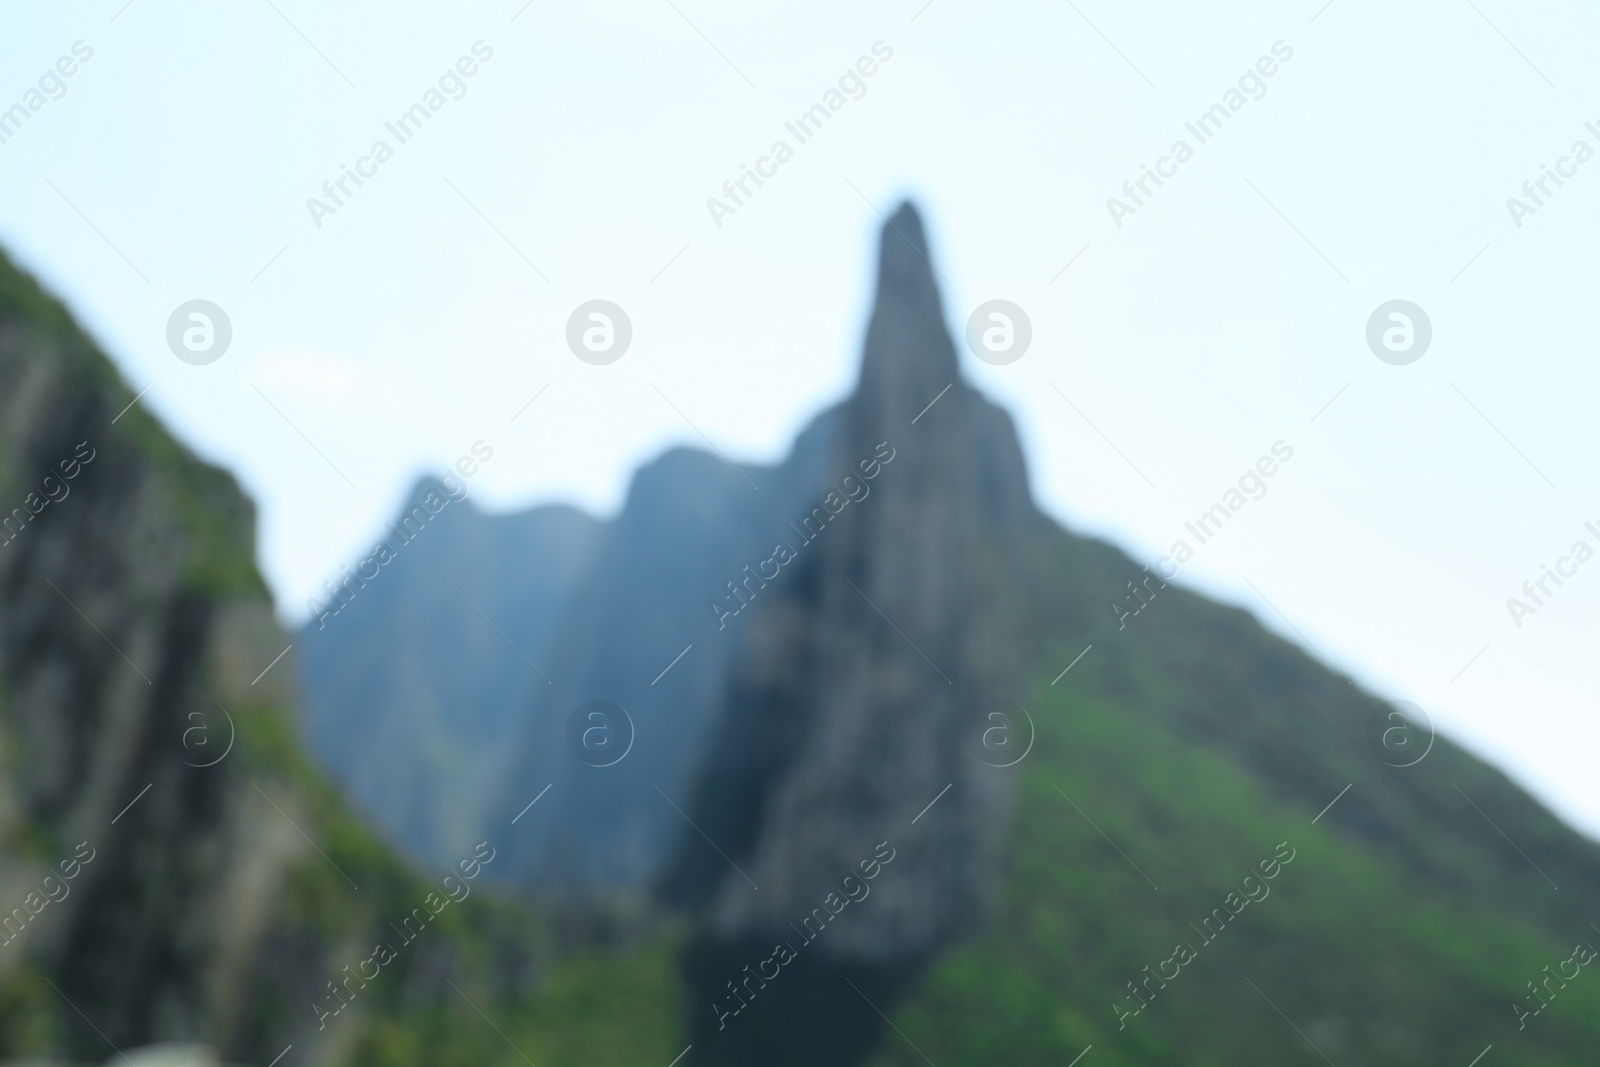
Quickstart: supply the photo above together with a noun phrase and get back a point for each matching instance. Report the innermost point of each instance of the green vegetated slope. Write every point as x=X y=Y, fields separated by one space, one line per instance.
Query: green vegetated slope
x=1402 y=931
x=1367 y=966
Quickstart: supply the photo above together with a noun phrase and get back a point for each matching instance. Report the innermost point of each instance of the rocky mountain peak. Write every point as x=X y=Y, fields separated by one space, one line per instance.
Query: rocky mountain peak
x=856 y=700
x=909 y=356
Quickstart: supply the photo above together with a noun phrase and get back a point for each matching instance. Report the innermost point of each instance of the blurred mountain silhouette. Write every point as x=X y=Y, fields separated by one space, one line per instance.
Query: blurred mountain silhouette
x=889 y=755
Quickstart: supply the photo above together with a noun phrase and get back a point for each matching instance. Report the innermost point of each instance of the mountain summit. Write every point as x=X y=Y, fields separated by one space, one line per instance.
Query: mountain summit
x=908 y=354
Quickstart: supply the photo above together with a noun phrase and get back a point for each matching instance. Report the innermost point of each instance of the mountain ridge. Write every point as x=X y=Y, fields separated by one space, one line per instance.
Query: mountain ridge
x=853 y=712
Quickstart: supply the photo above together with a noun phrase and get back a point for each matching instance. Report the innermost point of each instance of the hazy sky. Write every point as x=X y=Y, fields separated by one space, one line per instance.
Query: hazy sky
x=1227 y=313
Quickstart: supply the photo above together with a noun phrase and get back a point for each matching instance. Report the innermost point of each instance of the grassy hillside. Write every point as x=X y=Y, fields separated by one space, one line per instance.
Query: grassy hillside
x=1369 y=964
x=1402 y=932
x=1372 y=967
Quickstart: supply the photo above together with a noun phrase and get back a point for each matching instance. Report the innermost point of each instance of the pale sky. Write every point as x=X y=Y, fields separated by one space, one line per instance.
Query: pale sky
x=1223 y=316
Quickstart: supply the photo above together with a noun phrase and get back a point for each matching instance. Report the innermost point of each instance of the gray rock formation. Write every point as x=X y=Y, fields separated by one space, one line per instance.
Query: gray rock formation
x=171 y=868
x=131 y=616
x=859 y=699
x=412 y=698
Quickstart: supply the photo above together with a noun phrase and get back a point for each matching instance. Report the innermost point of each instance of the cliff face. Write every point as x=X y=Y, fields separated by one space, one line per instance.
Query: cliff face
x=130 y=618
x=691 y=524
x=411 y=698
x=170 y=868
x=859 y=700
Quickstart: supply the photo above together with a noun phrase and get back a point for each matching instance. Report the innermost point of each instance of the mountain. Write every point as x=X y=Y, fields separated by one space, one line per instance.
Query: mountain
x=916 y=775
x=941 y=781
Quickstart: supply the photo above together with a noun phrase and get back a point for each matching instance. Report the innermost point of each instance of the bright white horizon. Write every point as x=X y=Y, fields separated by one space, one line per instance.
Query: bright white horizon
x=1221 y=317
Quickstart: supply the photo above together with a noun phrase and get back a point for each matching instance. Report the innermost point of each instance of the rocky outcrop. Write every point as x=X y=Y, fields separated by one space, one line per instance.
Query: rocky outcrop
x=130 y=613
x=171 y=870
x=858 y=701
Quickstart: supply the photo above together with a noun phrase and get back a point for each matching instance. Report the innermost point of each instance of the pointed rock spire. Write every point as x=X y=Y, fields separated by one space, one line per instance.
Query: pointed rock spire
x=862 y=683
x=909 y=356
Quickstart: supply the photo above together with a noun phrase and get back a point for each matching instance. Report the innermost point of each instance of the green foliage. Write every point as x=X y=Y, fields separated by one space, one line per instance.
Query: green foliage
x=28 y=1016
x=216 y=519
x=604 y=1009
